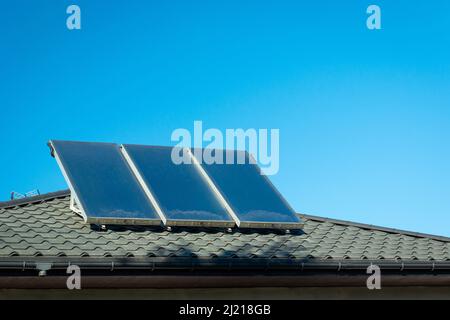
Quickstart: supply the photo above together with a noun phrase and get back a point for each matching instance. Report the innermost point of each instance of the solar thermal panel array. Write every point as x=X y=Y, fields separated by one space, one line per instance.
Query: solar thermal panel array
x=136 y=184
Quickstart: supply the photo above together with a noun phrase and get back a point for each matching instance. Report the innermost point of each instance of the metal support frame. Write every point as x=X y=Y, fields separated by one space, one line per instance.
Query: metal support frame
x=74 y=205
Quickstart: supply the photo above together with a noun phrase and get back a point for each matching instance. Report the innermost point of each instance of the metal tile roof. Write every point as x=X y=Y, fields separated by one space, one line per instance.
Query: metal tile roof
x=46 y=227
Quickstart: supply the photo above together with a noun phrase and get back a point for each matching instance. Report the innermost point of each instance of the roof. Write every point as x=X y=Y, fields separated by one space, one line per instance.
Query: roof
x=44 y=226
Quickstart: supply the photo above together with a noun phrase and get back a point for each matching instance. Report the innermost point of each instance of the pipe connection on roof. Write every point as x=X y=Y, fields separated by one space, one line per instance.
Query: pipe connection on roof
x=42 y=267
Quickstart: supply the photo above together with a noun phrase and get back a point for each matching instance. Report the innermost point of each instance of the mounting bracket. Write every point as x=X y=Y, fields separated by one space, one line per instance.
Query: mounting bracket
x=74 y=206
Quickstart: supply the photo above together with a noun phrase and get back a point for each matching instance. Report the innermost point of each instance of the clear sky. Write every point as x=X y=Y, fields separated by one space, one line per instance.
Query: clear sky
x=364 y=116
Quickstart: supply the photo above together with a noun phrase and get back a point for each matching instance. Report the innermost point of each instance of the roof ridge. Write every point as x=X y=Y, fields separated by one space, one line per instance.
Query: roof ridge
x=377 y=228
x=33 y=199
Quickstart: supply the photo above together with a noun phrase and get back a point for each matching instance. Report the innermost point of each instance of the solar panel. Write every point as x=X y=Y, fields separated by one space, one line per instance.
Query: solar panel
x=253 y=199
x=181 y=191
x=102 y=184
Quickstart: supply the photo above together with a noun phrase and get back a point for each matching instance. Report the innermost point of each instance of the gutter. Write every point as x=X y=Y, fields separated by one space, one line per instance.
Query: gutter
x=187 y=273
x=222 y=281
x=177 y=264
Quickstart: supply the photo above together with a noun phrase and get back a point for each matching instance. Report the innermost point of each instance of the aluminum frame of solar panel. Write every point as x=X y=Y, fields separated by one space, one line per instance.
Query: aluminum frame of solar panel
x=119 y=192
x=180 y=192
x=220 y=175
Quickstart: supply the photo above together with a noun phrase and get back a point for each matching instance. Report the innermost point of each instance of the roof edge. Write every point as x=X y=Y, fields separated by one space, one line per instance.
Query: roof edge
x=38 y=198
x=378 y=228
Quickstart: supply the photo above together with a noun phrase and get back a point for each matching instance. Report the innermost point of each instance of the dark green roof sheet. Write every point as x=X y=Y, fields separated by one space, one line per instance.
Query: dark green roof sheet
x=45 y=226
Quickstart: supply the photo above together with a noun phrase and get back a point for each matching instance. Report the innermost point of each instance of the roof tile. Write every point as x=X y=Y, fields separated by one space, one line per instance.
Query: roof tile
x=50 y=228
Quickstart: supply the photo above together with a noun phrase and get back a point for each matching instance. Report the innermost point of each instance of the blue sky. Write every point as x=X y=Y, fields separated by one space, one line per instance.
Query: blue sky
x=364 y=116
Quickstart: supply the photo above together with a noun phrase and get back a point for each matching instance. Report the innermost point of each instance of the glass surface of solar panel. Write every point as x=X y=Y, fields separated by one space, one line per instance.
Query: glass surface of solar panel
x=252 y=197
x=180 y=190
x=105 y=187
